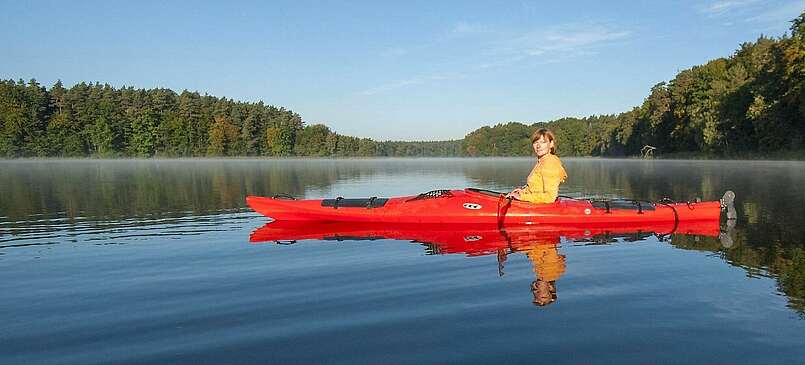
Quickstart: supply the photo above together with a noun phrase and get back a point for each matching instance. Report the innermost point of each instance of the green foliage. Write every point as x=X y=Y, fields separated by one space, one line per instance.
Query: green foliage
x=451 y=148
x=142 y=133
x=279 y=140
x=312 y=141
x=101 y=137
x=752 y=101
x=509 y=139
x=24 y=111
x=98 y=120
x=223 y=138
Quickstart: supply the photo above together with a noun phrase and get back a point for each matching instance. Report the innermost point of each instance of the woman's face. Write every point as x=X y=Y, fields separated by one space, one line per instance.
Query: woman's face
x=542 y=146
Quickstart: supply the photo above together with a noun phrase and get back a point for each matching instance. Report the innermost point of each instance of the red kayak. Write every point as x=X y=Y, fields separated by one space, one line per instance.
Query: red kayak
x=473 y=240
x=483 y=207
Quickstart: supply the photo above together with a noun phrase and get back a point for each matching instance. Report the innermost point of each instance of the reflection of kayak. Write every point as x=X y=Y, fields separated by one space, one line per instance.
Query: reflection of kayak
x=475 y=206
x=540 y=243
x=472 y=239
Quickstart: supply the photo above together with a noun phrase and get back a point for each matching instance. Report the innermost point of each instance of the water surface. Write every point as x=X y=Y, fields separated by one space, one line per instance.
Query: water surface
x=150 y=261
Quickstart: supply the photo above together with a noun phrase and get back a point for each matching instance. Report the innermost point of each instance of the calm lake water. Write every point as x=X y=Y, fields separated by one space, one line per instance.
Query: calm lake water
x=150 y=262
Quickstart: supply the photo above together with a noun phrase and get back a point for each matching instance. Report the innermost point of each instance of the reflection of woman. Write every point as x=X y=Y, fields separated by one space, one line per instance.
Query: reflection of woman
x=549 y=265
x=542 y=185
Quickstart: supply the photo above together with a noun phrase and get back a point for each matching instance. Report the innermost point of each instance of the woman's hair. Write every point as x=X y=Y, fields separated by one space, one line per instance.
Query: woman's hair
x=544 y=132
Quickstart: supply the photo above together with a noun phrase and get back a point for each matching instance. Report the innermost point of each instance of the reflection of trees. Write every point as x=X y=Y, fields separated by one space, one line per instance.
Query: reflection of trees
x=95 y=189
x=770 y=233
x=499 y=173
x=769 y=236
x=784 y=261
x=769 y=199
x=104 y=189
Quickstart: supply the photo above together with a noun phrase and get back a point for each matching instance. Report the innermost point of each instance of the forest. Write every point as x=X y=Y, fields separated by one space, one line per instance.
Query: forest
x=101 y=121
x=750 y=102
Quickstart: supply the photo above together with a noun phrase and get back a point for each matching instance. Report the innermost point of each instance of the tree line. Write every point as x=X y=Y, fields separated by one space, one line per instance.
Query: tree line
x=752 y=101
x=102 y=121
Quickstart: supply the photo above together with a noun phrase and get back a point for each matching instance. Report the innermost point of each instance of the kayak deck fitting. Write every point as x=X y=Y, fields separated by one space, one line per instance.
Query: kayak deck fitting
x=482 y=207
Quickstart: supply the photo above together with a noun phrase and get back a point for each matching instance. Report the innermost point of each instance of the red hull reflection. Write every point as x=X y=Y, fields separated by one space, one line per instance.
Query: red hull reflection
x=472 y=240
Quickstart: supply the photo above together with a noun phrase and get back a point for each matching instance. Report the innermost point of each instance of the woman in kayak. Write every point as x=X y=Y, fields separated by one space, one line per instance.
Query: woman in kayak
x=542 y=185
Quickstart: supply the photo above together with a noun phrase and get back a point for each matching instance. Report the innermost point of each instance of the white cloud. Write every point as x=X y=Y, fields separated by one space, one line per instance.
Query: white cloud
x=398 y=84
x=492 y=49
x=564 y=41
x=781 y=14
x=762 y=16
x=724 y=6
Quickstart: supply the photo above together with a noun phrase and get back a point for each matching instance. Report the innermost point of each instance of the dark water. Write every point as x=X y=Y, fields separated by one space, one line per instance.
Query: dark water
x=150 y=262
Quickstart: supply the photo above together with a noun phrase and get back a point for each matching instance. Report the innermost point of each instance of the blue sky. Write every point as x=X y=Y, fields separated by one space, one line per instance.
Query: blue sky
x=406 y=70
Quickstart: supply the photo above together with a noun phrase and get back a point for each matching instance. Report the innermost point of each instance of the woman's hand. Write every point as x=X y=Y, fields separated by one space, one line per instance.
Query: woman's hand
x=516 y=192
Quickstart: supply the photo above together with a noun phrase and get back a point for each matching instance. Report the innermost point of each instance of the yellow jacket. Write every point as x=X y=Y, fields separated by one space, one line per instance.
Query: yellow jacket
x=542 y=185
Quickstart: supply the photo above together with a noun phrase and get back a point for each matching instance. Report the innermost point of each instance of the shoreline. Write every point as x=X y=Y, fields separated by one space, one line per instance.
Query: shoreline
x=793 y=156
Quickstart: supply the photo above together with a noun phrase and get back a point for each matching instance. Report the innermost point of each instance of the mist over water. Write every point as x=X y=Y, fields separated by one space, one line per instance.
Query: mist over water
x=150 y=261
